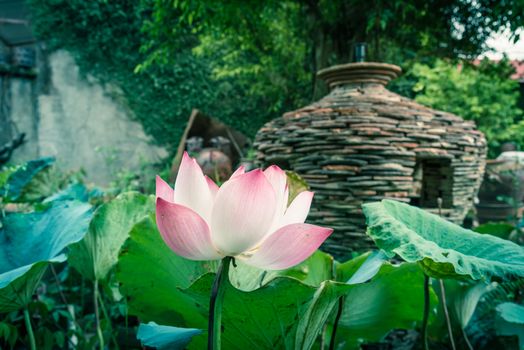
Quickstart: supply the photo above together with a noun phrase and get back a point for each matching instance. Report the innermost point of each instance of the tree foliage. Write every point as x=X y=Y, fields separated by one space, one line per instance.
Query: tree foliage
x=106 y=39
x=246 y=62
x=483 y=93
x=313 y=34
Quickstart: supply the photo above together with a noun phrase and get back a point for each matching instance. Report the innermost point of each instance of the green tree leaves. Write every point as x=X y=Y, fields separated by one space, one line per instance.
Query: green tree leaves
x=248 y=62
x=483 y=93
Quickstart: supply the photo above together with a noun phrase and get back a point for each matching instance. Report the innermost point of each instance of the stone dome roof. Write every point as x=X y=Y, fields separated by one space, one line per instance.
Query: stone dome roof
x=363 y=143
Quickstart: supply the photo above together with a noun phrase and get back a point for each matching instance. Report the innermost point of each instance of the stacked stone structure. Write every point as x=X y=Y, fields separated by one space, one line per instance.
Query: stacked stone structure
x=362 y=143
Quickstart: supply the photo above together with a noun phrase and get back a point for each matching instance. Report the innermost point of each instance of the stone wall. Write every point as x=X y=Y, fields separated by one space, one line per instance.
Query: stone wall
x=363 y=143
x=83 y=124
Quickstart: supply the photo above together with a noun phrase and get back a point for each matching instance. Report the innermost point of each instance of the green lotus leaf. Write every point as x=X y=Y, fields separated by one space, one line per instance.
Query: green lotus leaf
x=75 y=191
x=97 y=253
x=151 y=276
x=272 y=309
x=369 y=268
x=30 y=241
x=296 y=185
x=463 y=297
x=442 y=248
x=313 y=271
x=498 y=229
x=510 y=321
x=277 y=310
x=283 y=314
x=165 y=337
x=22 y=176
x=393 y=299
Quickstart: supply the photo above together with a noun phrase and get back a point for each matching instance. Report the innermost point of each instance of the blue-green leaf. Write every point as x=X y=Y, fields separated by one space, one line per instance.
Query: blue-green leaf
x=498 y=229
x=165 y=337
x=441 y=247
x=393 y=299
x=510 y=321
x=369 y=268
x=30 y=241
x=23 y=176
x=75 y=191
x=97 y=253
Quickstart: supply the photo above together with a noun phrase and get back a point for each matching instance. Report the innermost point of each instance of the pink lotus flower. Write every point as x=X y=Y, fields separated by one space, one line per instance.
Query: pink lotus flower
x=246 y=218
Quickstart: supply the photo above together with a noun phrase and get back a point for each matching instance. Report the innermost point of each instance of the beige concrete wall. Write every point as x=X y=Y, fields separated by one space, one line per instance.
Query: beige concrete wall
x=23 y=116
x=83 y=124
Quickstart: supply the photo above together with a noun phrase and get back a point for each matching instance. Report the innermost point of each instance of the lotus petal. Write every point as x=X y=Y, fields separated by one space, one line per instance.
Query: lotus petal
x=288 y=246
x=278 y=179
x=213 y=187
x=297 y=211
x=163 y=190
x=184 y=231
x=240 y=171
x=243 y=212
x=192 y=189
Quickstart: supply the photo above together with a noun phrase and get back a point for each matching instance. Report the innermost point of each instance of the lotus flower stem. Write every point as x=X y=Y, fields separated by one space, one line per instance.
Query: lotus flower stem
x=426 y=312
x=468 y=343
x=332 y=341
x=59 y=285
x=443 y=291
x=446 y=313
x=215 y=304
x=82 y=295
x=323 y=337
x=29 y=328
x=97 y=316
x=108 y=318
x=73 y=324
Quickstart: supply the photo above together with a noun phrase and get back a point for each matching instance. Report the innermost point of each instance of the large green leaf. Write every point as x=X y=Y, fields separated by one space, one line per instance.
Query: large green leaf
x=151 y=276
x=283 y=314
x=165 y=337
x=75 y=191
x=97 y=253
x=443 y=249
x=369 y=268
x=17 y=286
x=462 y=298
x=313 y=271
x=28 y=242
x=510 y=321
x=23 y=175
x=275 y=309
x=393 y=299
x=322 y=305
x=499 y=229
